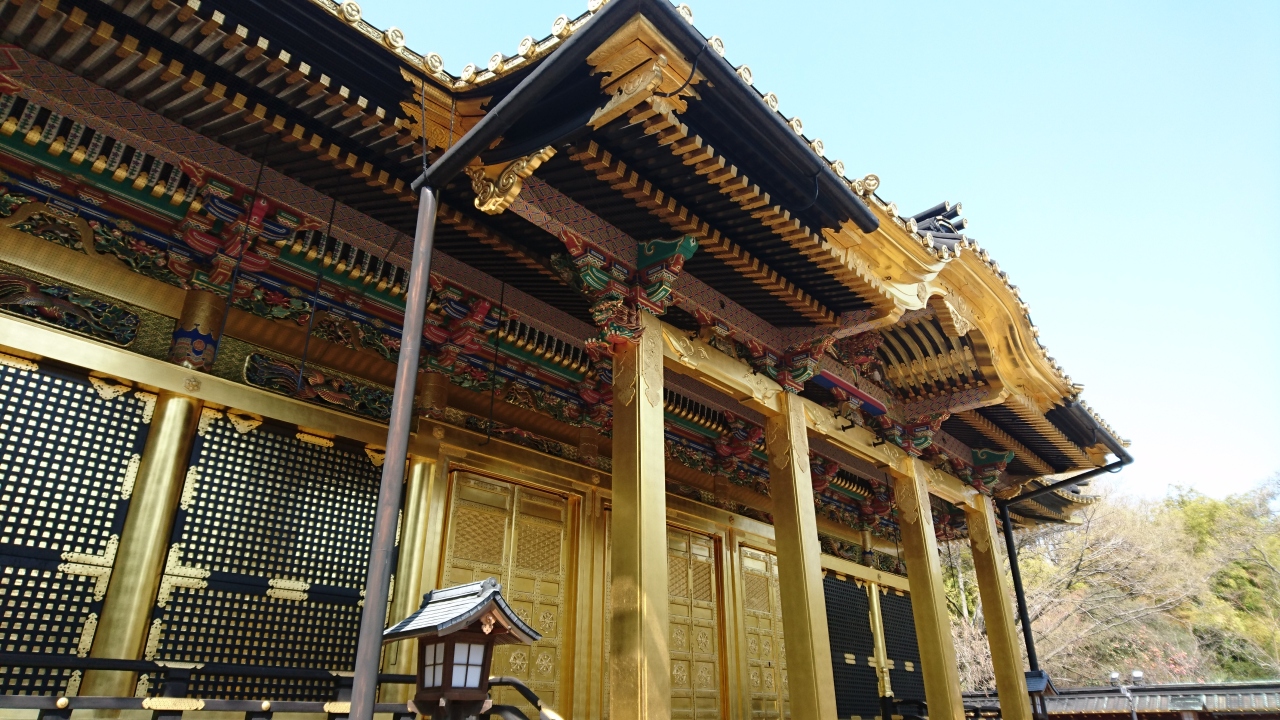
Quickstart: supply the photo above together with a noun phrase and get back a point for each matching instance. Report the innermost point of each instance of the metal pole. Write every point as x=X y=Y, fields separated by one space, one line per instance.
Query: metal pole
x=364 y=689
x=1023 y=615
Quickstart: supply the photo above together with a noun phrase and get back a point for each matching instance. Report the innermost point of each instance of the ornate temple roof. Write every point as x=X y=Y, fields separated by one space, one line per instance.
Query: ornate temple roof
x=648 y=133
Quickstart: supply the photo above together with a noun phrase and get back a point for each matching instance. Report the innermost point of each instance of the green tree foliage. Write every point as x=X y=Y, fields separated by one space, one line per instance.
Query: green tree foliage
x=1186 y=590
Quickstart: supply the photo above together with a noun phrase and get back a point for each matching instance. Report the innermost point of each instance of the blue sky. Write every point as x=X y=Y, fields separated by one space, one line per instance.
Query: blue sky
x=1121 y=161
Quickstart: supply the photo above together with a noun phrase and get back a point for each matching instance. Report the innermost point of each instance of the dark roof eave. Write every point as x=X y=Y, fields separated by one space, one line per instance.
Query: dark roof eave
x=555 y=68
x=776 y=138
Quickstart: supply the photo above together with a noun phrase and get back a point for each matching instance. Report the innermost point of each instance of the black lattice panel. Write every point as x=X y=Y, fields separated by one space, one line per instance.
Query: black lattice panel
x=900 y=641
x=216 y=625
x=67 y=448
x=275 y=531
x=269 y=504
x=852 y=648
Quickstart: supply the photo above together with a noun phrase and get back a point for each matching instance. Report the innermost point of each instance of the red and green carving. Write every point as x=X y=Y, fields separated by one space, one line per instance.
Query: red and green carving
x=660 y=263
x=617 y=291
x=821 y=471
x=141 y=256
x=232 y=224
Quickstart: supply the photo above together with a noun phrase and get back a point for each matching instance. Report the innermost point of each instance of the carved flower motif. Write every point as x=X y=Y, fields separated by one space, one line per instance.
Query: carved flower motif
x=766 y=647
x=768 y=681
x=546 y=620
x=753 y=646
x=680 y=675
x=545 y=663
x=704 y=641
x=704 y=676
x=519 y=661
x=755 y=677
x=677 y=637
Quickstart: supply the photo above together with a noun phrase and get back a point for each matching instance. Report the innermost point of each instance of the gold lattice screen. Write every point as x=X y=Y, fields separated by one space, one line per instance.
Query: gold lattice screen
x=695 y=615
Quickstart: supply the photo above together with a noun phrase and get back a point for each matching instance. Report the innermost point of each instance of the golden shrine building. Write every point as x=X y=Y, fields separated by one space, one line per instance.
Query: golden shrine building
x=704 y=405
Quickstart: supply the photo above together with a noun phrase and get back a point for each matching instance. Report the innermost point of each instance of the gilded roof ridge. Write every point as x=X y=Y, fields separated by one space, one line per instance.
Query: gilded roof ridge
x=946 y=252
x=392 y=39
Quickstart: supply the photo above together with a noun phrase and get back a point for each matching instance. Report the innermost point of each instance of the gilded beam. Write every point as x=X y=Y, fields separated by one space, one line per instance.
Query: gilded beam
x=30 y=338
x=98 y=273
x=848 y=568
x=713 y=368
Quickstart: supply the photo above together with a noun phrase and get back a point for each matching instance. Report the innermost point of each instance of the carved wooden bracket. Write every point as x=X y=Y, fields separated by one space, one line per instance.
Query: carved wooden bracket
x=954 y=314
x=497 y=186
x=637 y=62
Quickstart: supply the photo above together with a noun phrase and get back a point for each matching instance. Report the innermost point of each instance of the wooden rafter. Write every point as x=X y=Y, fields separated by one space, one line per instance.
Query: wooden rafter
x=1023 y=408
x=989 y=430
x=121 y=62
x=614 y=171
x=705 y=161
x=484 y=235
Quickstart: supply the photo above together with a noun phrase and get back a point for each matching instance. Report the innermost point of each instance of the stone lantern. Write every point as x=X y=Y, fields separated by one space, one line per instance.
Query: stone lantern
x=456 y=629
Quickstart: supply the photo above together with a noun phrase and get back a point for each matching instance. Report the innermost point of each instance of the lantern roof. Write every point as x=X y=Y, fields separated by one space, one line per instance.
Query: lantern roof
x=458 y=608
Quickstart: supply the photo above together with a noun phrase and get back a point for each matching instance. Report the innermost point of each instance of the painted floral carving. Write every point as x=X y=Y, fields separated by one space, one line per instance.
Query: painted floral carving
x=271 y=304
x=142 y=257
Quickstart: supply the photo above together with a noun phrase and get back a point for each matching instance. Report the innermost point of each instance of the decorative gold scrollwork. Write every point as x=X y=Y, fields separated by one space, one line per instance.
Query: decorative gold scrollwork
x=497 y=188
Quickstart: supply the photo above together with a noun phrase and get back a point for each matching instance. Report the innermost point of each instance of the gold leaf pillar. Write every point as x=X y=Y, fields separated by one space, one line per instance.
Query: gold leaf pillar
x=401 y=658
x=640 y=666
x=928 y=595
x=144 y=543
x=1006 y=652
x=810 y=682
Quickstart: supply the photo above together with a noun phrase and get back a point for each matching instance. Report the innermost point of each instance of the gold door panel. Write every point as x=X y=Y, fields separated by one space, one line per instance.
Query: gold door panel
x=520 y=536
x=762 y=616
x=695 y=625
x=696 y=620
